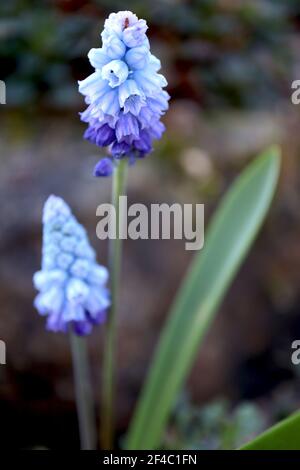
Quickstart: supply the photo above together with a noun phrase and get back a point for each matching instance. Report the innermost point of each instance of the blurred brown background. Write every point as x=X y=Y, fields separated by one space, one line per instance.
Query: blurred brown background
x=230 y=65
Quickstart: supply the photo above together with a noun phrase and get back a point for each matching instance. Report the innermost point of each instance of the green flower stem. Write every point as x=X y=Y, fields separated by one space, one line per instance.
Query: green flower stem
x=83 y=392
x=115 y=256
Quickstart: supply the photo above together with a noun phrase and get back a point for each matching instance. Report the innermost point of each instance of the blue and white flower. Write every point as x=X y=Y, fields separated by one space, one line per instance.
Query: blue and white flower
x=72 y=286
x=125 y=95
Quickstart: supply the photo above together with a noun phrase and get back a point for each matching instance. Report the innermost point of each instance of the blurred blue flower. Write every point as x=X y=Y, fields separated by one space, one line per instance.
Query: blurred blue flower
x=71 y=284
x=125 y=95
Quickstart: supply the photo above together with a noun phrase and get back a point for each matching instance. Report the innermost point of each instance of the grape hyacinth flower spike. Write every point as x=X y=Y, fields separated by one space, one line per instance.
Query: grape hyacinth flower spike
x=73 y=296
x=125 y=95
x=72 y=293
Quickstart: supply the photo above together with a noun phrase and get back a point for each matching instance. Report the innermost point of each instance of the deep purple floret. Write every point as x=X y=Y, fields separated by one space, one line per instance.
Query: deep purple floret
x=104 y=167
x=101 y=135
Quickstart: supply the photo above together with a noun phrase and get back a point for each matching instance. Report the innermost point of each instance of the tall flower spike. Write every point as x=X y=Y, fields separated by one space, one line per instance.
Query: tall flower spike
x=125 y=95
x=71 y=284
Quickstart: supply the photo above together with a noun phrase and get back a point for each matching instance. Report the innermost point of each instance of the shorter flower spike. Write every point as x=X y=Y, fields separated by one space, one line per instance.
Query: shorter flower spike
x=71 y=285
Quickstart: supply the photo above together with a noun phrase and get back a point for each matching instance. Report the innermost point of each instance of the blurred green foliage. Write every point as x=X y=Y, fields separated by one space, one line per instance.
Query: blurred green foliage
x=282 y=436
x=214 y=426
x=219 y=52
x=229 y=237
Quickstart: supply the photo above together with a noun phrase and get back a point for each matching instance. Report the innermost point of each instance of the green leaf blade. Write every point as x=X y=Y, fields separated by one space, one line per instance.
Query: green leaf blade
x=283 y=436
x=228 y=240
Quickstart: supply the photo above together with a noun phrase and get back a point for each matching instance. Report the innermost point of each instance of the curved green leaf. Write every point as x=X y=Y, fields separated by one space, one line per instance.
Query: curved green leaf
x=229 y=237
x=283 y=436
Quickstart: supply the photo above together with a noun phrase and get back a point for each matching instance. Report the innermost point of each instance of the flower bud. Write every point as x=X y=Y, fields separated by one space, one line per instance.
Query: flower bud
x=114 y=47
x=136 y=34
x=137 y=57
x=104 y=167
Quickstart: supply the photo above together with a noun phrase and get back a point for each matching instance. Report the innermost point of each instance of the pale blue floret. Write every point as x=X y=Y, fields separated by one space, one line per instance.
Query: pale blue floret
x=98 y=58
x=114 y=47
x=110 y=102
x=71 y=285
x=131 y=98
x=137 y=57
x=115 y=72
